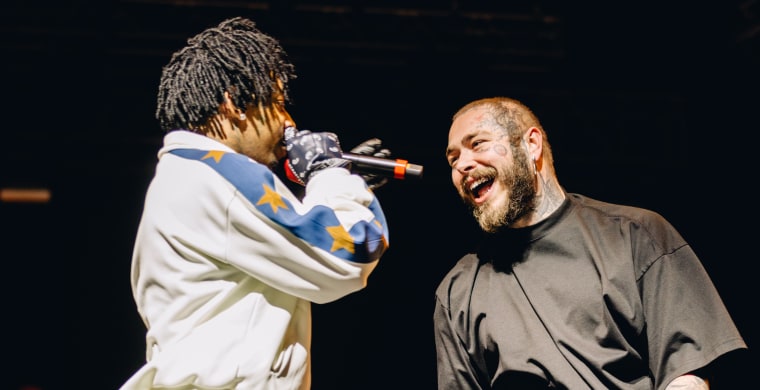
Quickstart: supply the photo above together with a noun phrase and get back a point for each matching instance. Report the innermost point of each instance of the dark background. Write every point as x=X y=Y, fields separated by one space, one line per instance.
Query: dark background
x=647 y=103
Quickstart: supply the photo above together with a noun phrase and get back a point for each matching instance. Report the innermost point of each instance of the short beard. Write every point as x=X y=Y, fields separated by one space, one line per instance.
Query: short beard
x=519 y=180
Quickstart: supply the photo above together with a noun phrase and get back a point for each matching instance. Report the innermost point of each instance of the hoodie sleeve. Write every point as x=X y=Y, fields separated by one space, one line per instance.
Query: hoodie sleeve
x=320 y=249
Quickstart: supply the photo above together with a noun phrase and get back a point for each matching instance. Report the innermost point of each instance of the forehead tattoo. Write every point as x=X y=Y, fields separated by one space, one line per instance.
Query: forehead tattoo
x=510 y=119
x=497 y=122
x=491 y=124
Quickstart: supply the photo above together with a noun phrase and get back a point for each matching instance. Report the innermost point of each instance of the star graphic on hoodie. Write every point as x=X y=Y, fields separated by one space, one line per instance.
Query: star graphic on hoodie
x=342 y=239
x=215 y=154
x=272 y=198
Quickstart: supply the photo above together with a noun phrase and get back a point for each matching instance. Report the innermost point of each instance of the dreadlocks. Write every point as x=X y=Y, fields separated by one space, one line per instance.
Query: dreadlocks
x=235 y=57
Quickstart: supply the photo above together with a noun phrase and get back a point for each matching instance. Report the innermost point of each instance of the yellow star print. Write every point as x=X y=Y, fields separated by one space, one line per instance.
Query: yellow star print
x=215 y=154
x=272 y=198
x=341 y=239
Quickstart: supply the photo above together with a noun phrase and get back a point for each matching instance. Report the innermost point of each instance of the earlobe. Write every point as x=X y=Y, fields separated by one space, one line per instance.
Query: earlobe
x=228 y=109
x=527 y=151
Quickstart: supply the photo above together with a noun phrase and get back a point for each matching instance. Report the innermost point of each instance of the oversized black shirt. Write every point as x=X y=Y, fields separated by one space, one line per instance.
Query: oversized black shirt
x=598 y=296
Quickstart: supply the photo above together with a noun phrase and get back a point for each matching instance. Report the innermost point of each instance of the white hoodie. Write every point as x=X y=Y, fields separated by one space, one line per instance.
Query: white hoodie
x=227 y=261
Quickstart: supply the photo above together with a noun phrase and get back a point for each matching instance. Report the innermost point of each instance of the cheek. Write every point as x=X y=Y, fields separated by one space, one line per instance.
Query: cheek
x=456 y=179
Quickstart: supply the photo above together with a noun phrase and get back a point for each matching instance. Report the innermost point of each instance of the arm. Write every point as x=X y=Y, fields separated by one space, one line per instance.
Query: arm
x=688 y=326
x=319 y=250
x=332 y=239
x=454 y=368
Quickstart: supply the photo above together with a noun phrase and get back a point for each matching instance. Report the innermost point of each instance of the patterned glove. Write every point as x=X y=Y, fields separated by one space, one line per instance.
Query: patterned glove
x=309 y=153
x=372 y=147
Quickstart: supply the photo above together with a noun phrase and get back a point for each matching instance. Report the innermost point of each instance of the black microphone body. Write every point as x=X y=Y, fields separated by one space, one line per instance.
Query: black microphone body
x=398 y=168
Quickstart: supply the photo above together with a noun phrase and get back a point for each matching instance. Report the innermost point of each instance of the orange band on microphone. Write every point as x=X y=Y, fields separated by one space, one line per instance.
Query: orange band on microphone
x=399 y=171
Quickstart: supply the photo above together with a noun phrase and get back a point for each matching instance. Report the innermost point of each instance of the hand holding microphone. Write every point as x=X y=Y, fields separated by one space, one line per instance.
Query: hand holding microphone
x=309 y=153
x=369 y=159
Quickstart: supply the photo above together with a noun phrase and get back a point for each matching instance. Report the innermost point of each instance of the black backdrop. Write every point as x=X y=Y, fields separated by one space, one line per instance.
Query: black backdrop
x=644 y=104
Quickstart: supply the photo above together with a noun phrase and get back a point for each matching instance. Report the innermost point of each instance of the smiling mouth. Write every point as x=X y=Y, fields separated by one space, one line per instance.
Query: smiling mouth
x=479 y=188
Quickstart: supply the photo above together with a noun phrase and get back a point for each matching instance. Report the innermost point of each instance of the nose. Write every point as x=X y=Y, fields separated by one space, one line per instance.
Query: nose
x=464 y=163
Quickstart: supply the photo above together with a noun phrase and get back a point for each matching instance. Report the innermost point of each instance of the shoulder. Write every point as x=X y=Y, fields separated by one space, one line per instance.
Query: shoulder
x=458 y=281
x=644 y=229
x=589 y=207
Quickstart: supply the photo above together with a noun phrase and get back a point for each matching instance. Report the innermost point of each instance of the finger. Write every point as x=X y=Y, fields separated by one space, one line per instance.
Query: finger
x=363 y=150
x=382 y=153
x=368 y=146
x=374 y=142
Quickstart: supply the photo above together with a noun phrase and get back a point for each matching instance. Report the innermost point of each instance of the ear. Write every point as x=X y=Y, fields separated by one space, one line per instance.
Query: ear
x=534 y=142
x=229 y=110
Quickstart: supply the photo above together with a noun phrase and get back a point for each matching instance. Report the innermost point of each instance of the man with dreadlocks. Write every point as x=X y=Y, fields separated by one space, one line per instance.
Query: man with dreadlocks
x=227 y=258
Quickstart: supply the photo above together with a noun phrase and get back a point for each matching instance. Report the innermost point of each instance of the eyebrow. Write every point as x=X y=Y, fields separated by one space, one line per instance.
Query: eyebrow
x=465 y=139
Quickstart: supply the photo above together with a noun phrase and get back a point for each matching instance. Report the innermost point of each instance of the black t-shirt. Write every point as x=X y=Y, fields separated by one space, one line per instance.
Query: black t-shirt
x=597 y=296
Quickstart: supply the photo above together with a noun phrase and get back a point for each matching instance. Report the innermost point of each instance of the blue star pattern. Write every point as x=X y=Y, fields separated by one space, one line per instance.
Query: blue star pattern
x=363 y=243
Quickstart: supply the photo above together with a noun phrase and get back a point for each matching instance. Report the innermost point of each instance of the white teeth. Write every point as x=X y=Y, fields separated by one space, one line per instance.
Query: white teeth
x=476 y=183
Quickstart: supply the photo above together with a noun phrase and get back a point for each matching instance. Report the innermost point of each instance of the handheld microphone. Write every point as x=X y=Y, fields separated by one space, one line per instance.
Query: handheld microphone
x=395 y=168
x=398 y=168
